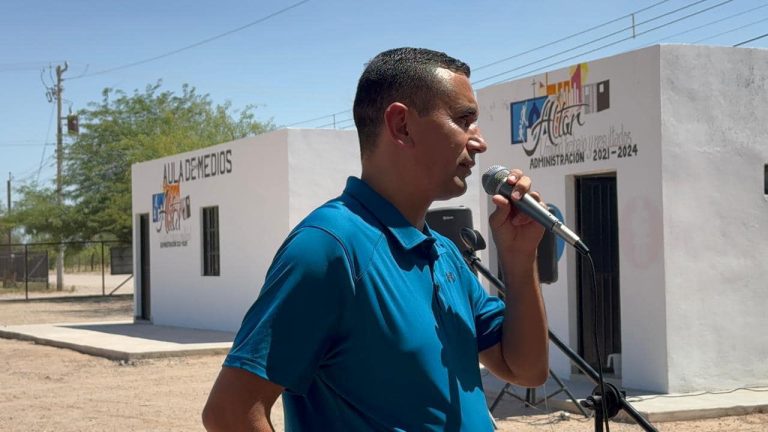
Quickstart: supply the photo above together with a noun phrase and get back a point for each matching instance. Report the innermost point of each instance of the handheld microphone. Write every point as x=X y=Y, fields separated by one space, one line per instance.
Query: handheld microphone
x=495 y=182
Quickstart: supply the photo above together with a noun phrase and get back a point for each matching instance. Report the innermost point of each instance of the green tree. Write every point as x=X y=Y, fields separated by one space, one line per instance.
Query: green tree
x=39 y=213
x=121 y=130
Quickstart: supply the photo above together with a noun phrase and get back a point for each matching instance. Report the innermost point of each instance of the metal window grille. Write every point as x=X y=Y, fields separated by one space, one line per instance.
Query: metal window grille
x=211 y=264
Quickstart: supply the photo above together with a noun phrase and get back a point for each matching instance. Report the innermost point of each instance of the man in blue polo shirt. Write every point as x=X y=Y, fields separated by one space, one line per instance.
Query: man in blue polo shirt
x=368 y=319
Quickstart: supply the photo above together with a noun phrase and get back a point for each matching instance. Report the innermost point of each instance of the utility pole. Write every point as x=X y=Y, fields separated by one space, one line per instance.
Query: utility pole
x=8 y=213
x=7 y=282
x=59 y=164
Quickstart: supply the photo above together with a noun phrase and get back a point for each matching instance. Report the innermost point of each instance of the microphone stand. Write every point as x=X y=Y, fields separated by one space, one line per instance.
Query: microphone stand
x=614 y=400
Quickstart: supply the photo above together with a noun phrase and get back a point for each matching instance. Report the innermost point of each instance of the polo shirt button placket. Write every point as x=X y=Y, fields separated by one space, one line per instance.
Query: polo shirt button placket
x=436 y=292
x=440 y=305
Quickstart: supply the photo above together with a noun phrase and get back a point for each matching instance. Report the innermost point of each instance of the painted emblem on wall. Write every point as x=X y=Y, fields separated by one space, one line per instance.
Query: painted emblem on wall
x=548 y=124
x=169 y=212
x=557 y=109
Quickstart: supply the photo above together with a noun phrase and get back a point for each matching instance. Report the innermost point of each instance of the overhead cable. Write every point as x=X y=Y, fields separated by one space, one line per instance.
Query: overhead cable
x=318 y=118
x=596 y=49
x=194 y=45
x=733 y=30
x=751 y=40
x=711 y=23
x=601 y=38
x=571 y=36
x=527 y=51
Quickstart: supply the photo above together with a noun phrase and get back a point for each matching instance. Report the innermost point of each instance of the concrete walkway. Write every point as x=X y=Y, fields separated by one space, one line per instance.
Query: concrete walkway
x=126 y=340
x=123 y=340
x=654 y=407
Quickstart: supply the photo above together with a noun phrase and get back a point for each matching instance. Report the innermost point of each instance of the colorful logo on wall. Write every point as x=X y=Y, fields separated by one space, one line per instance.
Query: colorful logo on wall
x=170 y=210
x=557 y=110
x=548 y=125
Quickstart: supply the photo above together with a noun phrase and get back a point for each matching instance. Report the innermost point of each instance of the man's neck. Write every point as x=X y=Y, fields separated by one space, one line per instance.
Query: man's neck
x=396 y=190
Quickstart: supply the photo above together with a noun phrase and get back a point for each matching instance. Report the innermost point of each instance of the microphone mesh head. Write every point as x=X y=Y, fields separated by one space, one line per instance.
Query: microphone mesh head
x=493 y=178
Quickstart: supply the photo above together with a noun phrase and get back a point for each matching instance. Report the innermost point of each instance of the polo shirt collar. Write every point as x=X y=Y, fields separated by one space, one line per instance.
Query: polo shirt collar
x=406 y=234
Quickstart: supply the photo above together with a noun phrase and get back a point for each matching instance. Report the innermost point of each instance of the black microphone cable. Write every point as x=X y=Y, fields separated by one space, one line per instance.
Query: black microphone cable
x=601 y=380
x=495 y=182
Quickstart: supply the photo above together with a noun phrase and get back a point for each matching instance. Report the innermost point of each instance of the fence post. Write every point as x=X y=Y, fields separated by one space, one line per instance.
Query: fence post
x=103 y=289
x=26 y=272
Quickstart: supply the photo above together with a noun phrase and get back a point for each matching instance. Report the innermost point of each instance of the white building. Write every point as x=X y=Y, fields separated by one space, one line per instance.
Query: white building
x=255 y=190
x=658 y=158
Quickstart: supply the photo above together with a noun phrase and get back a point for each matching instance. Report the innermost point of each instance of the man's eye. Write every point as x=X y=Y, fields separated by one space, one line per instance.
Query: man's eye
x=466 y=121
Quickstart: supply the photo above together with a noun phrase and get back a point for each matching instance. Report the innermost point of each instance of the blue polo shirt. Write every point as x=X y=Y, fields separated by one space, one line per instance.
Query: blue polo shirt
x=370 y=324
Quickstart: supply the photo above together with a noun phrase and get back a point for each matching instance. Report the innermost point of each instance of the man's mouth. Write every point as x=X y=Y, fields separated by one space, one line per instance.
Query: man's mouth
x=467 y=165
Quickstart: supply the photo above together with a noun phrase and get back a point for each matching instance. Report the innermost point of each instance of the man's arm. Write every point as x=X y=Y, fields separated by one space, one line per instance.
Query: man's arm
x=522 y=356
x=240 y=401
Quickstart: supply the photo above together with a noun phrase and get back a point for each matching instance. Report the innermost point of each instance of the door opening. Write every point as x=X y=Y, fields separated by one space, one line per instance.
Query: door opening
x=144 y=269
x=597 y=222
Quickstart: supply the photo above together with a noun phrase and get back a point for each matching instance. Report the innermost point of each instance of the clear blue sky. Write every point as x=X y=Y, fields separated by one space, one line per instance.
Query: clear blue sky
x=303 y=63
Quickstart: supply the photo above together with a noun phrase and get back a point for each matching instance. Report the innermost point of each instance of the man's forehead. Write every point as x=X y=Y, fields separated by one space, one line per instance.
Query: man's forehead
x=451 y=76
x=461 y=97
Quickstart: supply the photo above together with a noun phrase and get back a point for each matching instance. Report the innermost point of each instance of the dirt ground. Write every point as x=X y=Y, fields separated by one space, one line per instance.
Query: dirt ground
x=52 y=389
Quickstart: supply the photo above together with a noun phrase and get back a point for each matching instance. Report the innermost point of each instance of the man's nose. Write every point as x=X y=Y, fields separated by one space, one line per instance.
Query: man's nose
x=476 y=141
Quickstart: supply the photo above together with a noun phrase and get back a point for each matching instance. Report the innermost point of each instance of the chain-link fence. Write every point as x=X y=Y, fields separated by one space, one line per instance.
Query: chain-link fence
x=88 y=268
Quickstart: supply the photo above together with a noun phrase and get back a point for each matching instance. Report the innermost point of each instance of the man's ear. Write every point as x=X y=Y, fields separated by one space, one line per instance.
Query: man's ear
x=396 y=123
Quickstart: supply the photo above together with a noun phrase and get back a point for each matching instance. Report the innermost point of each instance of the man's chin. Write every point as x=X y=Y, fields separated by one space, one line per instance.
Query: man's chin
x=459 y=188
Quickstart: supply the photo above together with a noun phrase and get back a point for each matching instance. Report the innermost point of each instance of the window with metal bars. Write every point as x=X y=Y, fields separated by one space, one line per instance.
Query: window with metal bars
x=211 y=265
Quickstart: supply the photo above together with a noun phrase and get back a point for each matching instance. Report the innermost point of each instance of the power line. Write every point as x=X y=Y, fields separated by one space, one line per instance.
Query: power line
x=26 y=145
x=318 y=118
x=29 y=172
x=612 y=43
x=751 y=40
x=601 y=38
x=194 y=45
x=531 y=50
x=336 y=123
x=709 y=24
x=598 y=48
x=548 y=44
x=24 y=66
x=20 y=141
x=47 y=135
x=733 y=30
x=632 y=27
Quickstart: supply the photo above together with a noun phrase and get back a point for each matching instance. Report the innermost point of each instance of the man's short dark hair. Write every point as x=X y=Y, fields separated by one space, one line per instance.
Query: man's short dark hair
x=404 y=75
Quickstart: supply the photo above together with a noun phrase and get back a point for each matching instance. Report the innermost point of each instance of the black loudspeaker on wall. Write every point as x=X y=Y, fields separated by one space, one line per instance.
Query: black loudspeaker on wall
x=546 y=257
x=449 y=221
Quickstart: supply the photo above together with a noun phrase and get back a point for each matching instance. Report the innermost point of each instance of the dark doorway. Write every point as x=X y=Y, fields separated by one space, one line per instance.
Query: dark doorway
x=597 y=222
x=144 y=271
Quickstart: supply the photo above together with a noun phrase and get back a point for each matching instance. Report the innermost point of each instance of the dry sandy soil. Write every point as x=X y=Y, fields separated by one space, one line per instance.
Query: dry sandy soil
x=51 y=389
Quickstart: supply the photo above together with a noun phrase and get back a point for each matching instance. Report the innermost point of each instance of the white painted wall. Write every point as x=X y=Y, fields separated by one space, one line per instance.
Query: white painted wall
x=638 y=187
x=275 y=181
x=691 y=304
x=716 y=215
x=692 y=213
x=319 y=164
x=253 y=213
